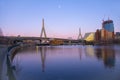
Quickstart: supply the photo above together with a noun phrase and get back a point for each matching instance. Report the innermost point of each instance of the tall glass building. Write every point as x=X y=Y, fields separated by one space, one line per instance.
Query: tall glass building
x=108 y=26
x=107 y=32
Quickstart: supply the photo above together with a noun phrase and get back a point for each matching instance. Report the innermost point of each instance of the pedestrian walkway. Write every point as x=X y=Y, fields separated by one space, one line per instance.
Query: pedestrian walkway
x=3 y=52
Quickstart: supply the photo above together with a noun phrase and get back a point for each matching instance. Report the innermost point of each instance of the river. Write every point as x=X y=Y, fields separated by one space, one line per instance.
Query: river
x=68 y=63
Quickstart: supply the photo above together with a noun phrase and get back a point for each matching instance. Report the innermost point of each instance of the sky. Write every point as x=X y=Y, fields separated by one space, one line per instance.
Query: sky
x=62 y=18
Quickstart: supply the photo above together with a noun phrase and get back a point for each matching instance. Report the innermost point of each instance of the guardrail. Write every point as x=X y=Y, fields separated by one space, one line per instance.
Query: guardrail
x=10 y=68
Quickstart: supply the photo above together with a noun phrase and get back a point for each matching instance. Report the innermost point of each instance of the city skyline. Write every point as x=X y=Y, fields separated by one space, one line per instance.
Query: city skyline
x=62 y=18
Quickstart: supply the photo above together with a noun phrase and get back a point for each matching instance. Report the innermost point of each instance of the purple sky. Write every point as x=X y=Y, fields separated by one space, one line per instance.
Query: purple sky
x=62 y=17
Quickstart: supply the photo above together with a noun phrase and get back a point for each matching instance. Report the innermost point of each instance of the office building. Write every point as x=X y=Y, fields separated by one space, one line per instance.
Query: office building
x=106 y=33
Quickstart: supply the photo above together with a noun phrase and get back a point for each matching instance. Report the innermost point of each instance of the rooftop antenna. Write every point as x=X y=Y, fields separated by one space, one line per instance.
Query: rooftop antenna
x=103 y=18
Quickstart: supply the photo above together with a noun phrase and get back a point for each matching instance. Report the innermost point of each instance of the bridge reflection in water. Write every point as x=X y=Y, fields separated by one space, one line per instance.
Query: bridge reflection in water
x=43 y=57
x=69 y=63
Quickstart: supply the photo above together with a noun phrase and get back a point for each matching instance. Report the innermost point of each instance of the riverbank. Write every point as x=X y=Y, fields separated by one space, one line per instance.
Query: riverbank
x=6 y=72
x=3 y=52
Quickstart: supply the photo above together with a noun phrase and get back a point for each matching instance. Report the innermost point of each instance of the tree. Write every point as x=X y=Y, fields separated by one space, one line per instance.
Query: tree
x=1 y=33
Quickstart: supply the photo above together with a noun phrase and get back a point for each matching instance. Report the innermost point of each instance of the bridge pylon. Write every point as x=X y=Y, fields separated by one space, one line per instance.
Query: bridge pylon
x=43 y=30
x=80 y=35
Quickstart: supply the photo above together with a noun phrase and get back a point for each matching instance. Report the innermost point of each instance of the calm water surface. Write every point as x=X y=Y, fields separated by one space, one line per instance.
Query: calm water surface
x=68 y=63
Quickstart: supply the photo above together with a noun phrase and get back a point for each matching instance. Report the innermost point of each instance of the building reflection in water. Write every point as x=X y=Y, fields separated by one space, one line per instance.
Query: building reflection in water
x=37 y=48
x=107 y=54
x=89 y=50
x=43 y=57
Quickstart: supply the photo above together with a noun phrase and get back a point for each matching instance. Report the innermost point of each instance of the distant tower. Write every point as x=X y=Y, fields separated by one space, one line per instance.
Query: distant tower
x=43 y=30
x=80 y=35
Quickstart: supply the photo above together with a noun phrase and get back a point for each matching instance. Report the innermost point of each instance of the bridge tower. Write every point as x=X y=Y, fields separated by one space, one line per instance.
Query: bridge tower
x=80 y=35
x=43 y=30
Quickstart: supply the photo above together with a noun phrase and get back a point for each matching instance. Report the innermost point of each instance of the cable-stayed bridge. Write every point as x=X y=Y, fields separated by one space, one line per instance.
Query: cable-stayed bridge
x=43 y=39
x=40 y=40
